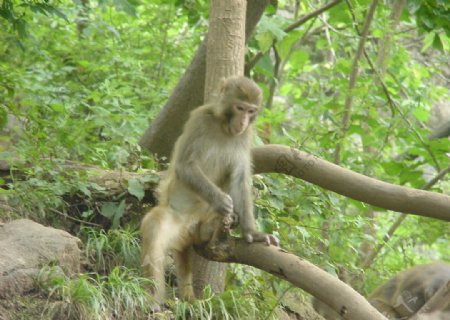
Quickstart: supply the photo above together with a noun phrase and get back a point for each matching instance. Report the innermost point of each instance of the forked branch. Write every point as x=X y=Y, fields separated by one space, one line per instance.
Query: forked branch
x=301 y=273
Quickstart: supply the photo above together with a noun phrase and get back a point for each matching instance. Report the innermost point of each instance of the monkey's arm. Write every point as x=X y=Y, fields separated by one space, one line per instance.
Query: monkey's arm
x=243 y=205
x=191 y=174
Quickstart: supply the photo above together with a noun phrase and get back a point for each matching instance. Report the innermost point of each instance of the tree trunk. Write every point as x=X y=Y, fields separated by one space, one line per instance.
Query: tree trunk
x=161 y=135
x=224 y=57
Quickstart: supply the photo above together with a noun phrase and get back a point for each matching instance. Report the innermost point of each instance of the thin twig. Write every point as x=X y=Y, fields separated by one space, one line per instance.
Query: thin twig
x=75 y=219
x=352 y=81
x=370 y=258
x=292 y=27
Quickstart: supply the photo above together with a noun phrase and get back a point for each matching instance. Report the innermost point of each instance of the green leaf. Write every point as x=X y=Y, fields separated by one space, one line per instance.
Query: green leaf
x=21 y=27
x=125 y=6
x=87 y=214
x=271 y=26
x=304 y=233
x=265 y=66
x=445 y=41
x=421 y=114
x=378 y=33
x=265 y=40
x=284 y=46
x=58 y=107
x=271 y=9
x=340 y=15
x=299 y=58
x=3 y=118
x=414 y=5
x=85 y=64
x=83 y=188
x=119 y=214
x=392 y=168
x=113 y=212
x=136 y=188
x=109 y=210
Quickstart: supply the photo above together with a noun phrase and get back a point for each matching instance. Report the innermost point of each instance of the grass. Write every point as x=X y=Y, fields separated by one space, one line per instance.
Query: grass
x=122 y=294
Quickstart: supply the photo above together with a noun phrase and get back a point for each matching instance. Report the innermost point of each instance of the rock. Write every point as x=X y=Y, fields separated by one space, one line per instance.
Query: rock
x=25 y=247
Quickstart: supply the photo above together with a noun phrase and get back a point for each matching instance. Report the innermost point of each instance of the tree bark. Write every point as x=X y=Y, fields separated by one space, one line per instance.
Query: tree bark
x=282 y=159
x=224 y=57
x=301 y=273
x=226 y=43
x=161 y=135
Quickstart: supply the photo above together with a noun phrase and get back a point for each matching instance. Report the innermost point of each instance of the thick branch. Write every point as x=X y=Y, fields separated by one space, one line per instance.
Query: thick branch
x=281 y=159
x=301 y=273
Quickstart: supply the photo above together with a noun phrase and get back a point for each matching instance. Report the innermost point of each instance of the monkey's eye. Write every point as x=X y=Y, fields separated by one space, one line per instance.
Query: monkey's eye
x=240 y=108
x=251 y=111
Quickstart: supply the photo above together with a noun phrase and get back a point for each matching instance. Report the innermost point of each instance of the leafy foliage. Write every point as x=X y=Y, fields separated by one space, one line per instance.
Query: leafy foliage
x=79 y=81
x=387 y=138
x=432 y=17
x=14 y=12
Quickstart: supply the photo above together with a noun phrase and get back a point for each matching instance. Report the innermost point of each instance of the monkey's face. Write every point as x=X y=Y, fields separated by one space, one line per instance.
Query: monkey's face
x=239 y=104
x=239 y=117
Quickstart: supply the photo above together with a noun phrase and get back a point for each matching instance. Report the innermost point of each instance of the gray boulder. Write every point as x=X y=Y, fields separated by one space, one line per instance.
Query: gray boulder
x=25 y=247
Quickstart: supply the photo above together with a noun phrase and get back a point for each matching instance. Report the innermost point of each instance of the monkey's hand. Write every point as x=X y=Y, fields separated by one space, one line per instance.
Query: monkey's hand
x=229 y=222
x=255 y=236
x=223 y=204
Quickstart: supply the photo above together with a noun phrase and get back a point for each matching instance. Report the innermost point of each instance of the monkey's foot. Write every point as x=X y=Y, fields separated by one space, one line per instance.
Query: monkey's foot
x=268 y=239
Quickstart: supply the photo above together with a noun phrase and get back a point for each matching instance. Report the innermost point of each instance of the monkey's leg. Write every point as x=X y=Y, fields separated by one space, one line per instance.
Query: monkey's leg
x=183 y=264
x=155 y=244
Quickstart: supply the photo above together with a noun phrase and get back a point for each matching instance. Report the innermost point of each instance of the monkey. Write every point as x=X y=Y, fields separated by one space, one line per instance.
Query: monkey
x=404 y=294
x=207 y=185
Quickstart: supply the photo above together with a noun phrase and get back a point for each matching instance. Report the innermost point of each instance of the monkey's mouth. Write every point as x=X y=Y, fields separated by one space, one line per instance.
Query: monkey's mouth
x=230 y=130
x=233 y=131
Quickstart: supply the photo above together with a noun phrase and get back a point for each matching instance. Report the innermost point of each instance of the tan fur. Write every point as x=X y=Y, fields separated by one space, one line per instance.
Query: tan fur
x=207 y=183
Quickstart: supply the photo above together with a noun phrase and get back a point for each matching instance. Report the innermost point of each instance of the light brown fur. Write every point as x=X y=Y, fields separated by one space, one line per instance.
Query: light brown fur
x=207 y=184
